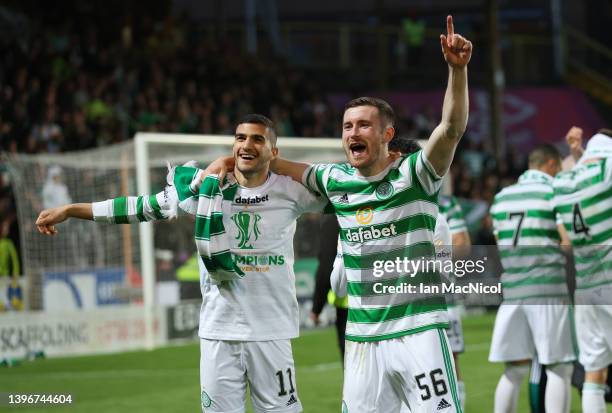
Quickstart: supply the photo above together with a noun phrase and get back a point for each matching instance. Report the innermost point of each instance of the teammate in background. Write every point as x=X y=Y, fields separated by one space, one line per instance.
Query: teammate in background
x=582 y=199
x=246 y=323
x=55 y=192
x=451 y=209
x=537 y=375
x=534 y=318
x=397 y=350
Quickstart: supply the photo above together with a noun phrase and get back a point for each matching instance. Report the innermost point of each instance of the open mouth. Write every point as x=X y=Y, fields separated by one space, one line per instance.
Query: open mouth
x=357 y=148
x=246 y=156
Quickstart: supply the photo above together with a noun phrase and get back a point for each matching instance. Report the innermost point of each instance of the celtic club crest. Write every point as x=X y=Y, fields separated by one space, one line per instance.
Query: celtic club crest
x=384 y=190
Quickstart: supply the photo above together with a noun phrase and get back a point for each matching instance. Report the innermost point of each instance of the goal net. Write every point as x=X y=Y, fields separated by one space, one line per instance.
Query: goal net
x=88 y=265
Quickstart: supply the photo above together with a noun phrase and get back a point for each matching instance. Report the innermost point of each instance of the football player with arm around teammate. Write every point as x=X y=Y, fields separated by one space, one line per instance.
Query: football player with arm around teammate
x=244 y=229
x=535 y=316
x=397 y=350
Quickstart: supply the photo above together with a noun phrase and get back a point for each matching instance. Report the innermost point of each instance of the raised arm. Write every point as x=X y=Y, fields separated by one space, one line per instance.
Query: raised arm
x=574 y=142
x=440 y=148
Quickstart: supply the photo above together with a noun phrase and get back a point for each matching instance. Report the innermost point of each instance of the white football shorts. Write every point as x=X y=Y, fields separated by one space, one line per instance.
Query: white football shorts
x=525 y=329
x=416 y=369
x=267 y=366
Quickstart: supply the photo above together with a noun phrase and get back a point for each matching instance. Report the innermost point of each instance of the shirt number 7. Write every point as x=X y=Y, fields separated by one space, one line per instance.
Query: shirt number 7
x=521 y=216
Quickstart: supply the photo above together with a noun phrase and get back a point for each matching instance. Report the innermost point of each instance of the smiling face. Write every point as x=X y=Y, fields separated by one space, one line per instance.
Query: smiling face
x=253 y=149
x=365 y=138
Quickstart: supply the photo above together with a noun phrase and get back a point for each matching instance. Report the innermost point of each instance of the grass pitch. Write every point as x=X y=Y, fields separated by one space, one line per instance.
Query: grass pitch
x=167 y=379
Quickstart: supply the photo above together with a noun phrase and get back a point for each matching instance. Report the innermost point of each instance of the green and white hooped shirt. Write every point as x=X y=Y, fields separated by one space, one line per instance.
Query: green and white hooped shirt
x=583 y=200
x=382 y=217
x=528 y=240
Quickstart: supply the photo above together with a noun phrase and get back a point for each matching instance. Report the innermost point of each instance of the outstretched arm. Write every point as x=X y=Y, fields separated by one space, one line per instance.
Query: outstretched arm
x=181 y=184
x=122 y=210
x=440 y=148
x=50 y=217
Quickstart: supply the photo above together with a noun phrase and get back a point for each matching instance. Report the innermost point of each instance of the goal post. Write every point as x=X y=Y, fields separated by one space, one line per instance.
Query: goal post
x=298 y=149
x=132 y=273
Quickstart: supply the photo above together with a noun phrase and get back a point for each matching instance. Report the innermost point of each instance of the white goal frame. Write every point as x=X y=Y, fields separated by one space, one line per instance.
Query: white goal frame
x=142 y=141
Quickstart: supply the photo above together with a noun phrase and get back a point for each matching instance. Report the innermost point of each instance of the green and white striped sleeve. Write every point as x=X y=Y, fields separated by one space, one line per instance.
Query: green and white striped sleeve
x=427 y=175
x=133 y=209
x=315 y=177
x=180 y=191
x=418 y=167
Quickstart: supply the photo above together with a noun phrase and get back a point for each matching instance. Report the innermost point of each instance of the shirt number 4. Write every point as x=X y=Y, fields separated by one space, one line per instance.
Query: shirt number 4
x=578 y=223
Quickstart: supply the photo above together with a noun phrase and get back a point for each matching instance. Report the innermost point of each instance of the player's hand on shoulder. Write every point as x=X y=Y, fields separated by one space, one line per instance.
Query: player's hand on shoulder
x=219 y=166
x=49 y=217
x=457 y=50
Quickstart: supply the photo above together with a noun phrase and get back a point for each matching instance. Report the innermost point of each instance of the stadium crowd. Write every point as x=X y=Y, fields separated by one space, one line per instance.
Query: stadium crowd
x=67 y=86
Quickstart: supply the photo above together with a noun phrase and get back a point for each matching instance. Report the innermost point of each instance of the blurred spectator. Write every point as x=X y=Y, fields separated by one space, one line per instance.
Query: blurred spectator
x=55 y=191
x=473 y=159
x=412 y=40
x=66 y=86
x=425 y=122
x=9 y=260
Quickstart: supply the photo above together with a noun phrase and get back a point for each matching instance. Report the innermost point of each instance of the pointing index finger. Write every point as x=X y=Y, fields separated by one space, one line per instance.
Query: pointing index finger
x=450 y=29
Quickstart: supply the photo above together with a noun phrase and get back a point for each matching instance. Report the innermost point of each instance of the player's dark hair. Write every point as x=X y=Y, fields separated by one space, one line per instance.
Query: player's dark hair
x=387 y=116
x=542 y=154
x=404 y=145
x=605 y=131
x=261 y=120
